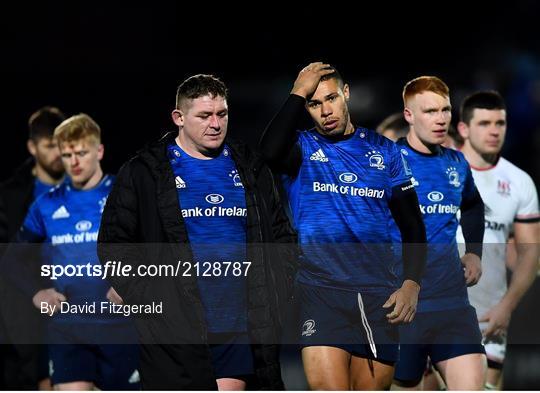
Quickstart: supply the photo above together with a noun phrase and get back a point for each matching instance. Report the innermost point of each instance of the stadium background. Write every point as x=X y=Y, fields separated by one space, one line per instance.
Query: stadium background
x=121 y=64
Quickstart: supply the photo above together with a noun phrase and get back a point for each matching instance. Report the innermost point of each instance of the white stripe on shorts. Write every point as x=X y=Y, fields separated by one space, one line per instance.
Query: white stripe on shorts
x=365 y=322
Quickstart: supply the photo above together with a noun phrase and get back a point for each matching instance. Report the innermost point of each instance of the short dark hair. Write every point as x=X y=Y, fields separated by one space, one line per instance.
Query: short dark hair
x=334 y=75
x=43 y=122
x=198 y=86
x=395 y=121
x=488 y=99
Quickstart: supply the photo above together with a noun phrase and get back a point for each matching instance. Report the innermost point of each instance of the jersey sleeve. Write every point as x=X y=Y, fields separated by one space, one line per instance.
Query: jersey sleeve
x=469 y=188
x=33 y=228
x=528 y=202
x=278 y=144
x=20 y=263
x=400 y=171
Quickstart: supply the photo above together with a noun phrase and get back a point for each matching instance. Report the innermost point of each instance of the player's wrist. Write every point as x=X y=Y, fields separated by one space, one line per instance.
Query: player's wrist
x=469 y=255
x=469 y=258
x=39 y=297
x=508 y=304
x=411 y=284
x=299 y=92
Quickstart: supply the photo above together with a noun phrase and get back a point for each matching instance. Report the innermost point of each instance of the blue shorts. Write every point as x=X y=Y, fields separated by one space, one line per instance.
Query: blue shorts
x=231 y=355
x=441 y=335
x=348 y=320
x=103 y=354
x=109 y=367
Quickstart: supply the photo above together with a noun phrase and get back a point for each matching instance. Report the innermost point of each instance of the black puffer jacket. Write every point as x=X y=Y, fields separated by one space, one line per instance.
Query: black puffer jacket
x=143 y=209
x=20 y=322
x=16 y=195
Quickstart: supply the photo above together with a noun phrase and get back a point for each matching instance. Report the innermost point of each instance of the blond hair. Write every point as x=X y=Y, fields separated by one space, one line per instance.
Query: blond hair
x=77 y=128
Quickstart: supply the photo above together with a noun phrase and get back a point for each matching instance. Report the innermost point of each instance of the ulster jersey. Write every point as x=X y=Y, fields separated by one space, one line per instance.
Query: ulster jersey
x=509 y=196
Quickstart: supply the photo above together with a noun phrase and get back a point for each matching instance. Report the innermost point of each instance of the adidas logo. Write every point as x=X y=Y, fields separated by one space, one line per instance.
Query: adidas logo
x=61 y=212
x=318 y=156
x=179 y=182
x=134 y=377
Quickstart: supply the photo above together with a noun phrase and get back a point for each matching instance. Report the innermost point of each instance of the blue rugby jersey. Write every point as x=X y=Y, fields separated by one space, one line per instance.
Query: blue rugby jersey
x=213 y=206
x=441 y=181
x=41 y=188
x=339 y=204
x=67 y=221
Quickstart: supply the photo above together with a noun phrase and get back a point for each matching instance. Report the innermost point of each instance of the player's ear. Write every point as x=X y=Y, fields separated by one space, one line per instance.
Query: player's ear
x=178 y=117
x=408 y=115
x=31 y=146
x=463 y=129
x=346 y=92
x=101 y=151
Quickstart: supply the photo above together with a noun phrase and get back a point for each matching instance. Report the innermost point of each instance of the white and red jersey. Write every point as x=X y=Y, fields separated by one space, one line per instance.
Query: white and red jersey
x=509 y=196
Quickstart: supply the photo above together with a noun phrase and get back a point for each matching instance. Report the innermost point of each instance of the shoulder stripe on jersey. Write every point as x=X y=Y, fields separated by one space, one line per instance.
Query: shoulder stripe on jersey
x=528 y=219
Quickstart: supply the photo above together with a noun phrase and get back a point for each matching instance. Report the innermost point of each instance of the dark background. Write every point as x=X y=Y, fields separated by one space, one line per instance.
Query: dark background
x=121 y=64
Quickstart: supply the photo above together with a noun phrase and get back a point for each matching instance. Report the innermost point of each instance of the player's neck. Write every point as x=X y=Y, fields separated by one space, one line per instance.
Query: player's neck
x=192 y=150
x=45 y=177
x=478 y=160
x=419 y=146
x=91 y=182
x=349 y=129
x=347 y=133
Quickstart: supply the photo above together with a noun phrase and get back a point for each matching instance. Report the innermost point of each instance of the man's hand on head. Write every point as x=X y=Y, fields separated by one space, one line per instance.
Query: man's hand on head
x=308 y=78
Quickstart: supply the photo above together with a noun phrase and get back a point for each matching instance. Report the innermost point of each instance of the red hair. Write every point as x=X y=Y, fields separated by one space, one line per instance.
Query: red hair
x=422 y=84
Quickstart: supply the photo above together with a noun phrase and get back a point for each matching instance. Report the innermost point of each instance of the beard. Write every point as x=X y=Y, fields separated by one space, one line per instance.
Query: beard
x=340 y=128
x=54 y=169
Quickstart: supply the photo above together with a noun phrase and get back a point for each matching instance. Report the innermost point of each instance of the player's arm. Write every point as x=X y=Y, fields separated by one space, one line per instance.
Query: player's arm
x=23 y=258
x=472 y=224
x=526 y=236
x=408 y=217
x=21 y=262
x=278 y=142
x=27 y=266
x=526 y=243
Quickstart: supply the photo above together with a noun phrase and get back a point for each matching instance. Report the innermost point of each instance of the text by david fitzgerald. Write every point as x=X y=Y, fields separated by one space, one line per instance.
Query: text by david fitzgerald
x=104 y=308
